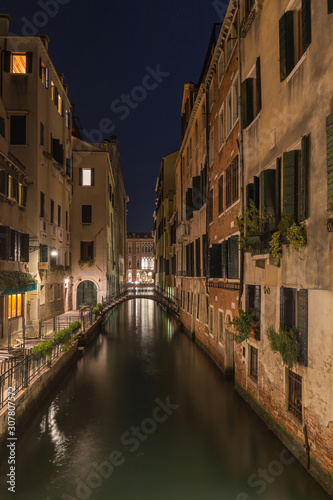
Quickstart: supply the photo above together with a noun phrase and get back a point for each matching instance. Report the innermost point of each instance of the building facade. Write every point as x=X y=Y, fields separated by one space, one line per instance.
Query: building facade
x=39 y=124
x=165 y=224
x=140 y=257
x=98 y=216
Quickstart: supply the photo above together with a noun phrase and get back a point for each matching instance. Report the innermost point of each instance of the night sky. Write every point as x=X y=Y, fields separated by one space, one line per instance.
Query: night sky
x=106 y=49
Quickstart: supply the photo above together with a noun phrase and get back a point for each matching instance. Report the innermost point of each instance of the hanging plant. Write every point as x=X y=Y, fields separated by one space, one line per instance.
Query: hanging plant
x=288 y=232
x=244 y=324
x=275 y=245
x=284 y=342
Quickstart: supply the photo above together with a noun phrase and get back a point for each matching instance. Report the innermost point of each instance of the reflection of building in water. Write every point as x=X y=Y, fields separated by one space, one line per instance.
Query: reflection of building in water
x=140 y=257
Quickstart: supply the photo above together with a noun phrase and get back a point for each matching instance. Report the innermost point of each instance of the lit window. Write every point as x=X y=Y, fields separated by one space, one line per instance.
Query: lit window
x=14 y=305
x=53 y=90
x=86 y=177
x=59 y=106
x=44 y=75
x=19 y=62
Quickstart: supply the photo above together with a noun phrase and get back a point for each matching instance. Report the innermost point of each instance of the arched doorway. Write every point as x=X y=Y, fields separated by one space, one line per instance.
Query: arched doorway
x=86 y=294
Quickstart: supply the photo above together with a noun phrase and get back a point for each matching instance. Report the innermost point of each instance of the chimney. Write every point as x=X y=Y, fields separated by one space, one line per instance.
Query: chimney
x=61 y=77
x=45 y=40
x=4 y=24
x=66 y=88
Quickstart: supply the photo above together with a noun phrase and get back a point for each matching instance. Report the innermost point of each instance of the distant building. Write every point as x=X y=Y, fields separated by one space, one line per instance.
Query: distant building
x=39 y=123
x=140 y=257
x=98 y=222
x=165 y=224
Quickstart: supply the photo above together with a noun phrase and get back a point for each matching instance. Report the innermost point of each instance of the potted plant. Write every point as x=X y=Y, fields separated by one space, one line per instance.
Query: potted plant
x=244 y=325
x=284 y=342
x=288 y=232
x=44 y=350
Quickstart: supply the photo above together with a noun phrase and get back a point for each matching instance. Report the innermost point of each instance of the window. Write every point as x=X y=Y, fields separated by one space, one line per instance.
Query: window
x=294 y=314
x=229 y=112
x=221 y=127
x=137 y=247
x=295 y=181
x=235 y=100
x=59 y=215
x=43 y=253
x=138 y=263
x=86 y=176
x=130 y=263
x=221 y=327
x=18 y=62
x=86 y=214
x=221 y=198
x=2 y=127
x=211 y=95
x=51 y=293
x=211 y=147
x=211 y=320
x=221 y=67
x=251 y=95
x=295 y=395
x=41 y=142
x=22 y=195
x=52 y=212
x=14 y=305
x=87 y=250
x=130 y=248
x=253 y=363
x=329 y=155
x=54 y=93
x=196 y=133
x=232 y=38
x=294 y=36
x=59 y=105
x=53 y=256
x=13 y=188
x=42 y=205
x=18 y=130
x=210 y=205
x=223 y=259
x=232 y=183
x=253 y=305
x=44 y=74
x=330 y=6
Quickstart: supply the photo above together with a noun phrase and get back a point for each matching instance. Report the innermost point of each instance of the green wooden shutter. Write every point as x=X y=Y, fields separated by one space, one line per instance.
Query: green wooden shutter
x=278 y=189
x=329 y=136
x=196 y=195
x=216 y=262
x=233 y=261
x=209 y=263
x=224 y=258
x=4 y=242
x=304 y=178
x=267 y=191
x=330 y=6
x=197 y=256
x=256 y=192
x=204 y=254
x=258 y=85
x=289 y=182
x=247 y=101
x=249 y=193
x=286 y=37
x=302 y=307
x=93 y=177
x=25 y=247
x=306 y=24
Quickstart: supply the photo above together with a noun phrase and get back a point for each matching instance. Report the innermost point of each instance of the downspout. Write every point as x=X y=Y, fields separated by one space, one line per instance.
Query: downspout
x=241 y=155
x=207 y=186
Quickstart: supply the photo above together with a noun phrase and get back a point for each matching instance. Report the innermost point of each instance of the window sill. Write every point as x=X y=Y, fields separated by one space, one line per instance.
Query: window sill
x=256 y=118
x=231 y=206
x=253 y=380
x=295 y=68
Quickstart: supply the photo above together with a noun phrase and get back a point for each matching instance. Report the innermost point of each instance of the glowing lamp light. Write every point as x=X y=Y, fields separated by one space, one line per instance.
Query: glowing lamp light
x=54 y=253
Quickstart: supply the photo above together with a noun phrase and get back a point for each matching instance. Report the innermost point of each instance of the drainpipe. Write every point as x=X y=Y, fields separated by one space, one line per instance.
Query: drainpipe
x=241 y=154
x=207 y=186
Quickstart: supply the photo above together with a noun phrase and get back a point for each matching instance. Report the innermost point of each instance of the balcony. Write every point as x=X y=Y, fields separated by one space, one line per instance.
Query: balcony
x=183 y=232
x=53 y=230
x=60 y=234
x=43 y=227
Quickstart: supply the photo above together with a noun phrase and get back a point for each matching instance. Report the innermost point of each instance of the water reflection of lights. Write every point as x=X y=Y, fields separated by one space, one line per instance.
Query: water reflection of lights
x=49 y=426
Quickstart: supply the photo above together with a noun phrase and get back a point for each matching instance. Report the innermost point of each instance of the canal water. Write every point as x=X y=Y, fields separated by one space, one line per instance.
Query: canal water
x=145 y=415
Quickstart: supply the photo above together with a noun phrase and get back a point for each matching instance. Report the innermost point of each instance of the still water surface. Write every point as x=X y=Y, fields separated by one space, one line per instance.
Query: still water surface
x=145 y=415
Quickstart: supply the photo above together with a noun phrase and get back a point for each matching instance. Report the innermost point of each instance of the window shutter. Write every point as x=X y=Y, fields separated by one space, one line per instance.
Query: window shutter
x=258 y=85
x=192 y=258
x=2 y=127
x=267 y=191
x=24 y=195
x=204 y=254
x=6 y=66
x=29 y=62
x=25 y=247
x=304 y=178
x=282 y=307
x=224 y=258
x=306 y=24
x=257 y=309
x=256 y=191
x=13 y=245
x=80 y=176
x=247 y=298
x=247 y=101
x=278 y=189
x=303 y=326
x=330 y=6
x=82 y=254
x=197 y=256
x=289 y=182
x=286 y=37
x=233 y=261
x=93 y=177
x=3 y=182
x=216 y=263
x=329 y=137
x=196 y=195
x=249 y=193
x=4 y=242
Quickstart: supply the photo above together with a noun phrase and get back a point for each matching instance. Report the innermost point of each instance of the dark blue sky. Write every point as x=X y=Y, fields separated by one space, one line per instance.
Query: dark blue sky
x=104 y=49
